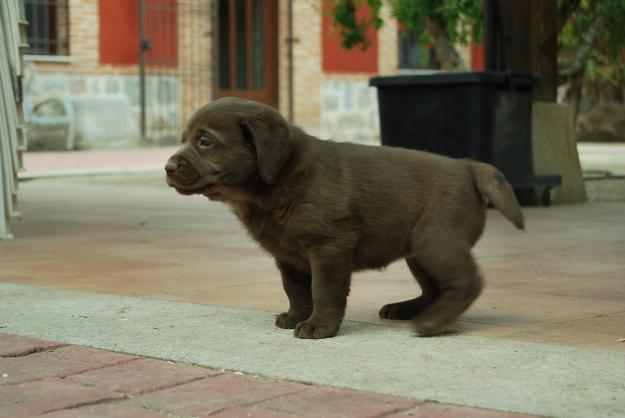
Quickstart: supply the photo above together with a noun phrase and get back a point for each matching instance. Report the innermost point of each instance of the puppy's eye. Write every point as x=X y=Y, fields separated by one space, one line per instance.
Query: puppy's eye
x=205 y=142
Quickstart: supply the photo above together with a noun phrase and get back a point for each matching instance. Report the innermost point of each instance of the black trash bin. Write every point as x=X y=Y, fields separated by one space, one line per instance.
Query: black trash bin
x=484 y=116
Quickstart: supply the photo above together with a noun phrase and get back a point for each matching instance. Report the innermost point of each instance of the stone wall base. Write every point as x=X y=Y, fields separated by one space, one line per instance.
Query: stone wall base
x=349 y=111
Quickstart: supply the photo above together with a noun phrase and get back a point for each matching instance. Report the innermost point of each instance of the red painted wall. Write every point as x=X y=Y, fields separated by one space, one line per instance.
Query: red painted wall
x=477 y=57
x=161 y=27
x=119 y=32
x=337 y=59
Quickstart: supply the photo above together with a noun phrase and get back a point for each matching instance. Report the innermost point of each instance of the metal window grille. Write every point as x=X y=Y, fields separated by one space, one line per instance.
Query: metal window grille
x=48 y=27
x=176 y=63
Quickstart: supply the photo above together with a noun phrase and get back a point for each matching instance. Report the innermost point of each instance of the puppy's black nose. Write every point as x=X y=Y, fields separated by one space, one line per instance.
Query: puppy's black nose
x=171 y=167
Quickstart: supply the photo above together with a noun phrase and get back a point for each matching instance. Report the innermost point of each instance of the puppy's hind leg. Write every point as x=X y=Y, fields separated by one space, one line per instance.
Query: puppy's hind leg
x=458 y=282
x=297 y=285
x=408 y=309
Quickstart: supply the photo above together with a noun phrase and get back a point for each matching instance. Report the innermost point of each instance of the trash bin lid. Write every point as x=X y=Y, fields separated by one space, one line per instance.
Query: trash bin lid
x=518 y=80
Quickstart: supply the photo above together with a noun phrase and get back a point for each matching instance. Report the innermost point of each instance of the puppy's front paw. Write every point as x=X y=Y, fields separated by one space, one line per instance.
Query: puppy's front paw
x=315 y=330
x=286 y=321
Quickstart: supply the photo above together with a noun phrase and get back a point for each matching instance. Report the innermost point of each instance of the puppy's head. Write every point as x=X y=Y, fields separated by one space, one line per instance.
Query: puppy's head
x=228 y=147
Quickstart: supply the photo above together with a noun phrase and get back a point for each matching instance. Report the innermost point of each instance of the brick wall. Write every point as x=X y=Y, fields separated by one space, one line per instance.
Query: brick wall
x=179 y=91
x=84 y=32
x=312 y=110
x=387 y=38
x=84 y=46
x=80 y=72
x=84 y=74
x=349 y=107
x=195 y=69
x=306 y=61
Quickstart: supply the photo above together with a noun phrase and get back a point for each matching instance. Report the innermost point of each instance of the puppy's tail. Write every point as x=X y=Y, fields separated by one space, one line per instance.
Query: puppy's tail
x=493 y=186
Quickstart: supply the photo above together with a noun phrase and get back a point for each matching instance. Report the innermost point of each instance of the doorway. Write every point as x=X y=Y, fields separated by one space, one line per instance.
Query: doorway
x=247 y=46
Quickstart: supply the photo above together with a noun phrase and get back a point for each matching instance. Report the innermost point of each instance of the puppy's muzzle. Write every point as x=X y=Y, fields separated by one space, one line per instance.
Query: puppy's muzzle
x=170 y=168
x=180 y=173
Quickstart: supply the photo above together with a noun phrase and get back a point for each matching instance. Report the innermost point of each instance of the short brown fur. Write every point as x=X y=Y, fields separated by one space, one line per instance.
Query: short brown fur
x=325 y=209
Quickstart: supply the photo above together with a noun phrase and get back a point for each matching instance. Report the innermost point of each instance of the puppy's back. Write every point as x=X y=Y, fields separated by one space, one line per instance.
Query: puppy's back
x=400 y=187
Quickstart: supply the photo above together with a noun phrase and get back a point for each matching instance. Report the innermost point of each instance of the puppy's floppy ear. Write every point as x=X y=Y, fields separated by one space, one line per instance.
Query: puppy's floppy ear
x=269 y=133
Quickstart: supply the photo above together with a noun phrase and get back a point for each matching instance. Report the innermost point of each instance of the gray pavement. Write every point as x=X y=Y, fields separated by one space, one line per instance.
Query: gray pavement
x=599 y=161
x=560 y=282
x=468 y=370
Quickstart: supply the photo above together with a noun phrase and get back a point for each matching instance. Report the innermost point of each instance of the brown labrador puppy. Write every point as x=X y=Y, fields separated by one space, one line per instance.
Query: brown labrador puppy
x=325 y=209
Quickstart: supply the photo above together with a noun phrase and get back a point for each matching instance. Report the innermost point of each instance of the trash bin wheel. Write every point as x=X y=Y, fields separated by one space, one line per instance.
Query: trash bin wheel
x=546 y=196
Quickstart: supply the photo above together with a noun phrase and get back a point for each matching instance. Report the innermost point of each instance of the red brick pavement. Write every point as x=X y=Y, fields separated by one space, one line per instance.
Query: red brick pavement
x=56 y=380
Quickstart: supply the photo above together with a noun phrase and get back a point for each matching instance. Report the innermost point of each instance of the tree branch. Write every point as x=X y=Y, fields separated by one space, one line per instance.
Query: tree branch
x=567 y=8
x=577 y=64
x=445 y=51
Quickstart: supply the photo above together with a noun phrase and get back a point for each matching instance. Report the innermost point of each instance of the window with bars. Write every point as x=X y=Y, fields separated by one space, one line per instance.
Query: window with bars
x=48 y=27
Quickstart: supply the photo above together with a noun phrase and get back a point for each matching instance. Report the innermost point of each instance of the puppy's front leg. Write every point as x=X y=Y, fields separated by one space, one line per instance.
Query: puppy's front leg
x=331 y=276
x=296 y=284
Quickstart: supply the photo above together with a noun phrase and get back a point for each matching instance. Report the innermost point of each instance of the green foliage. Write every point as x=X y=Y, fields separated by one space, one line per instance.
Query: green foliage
x=601 y=56
x=613 y=12
x=462 y=19
x=375 y=6
x=353 y=30
x=606 y=57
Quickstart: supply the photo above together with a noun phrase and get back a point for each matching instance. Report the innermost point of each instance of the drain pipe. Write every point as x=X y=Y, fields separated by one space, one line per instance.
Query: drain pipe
x=142 y=48
x=214 y=33
x=494 y=58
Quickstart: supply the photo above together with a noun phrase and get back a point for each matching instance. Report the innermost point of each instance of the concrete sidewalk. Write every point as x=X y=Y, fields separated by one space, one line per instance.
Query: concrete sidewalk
x=593 y=156
x=482 y=372
x=598 y=160
x=602 y=156
x=136 y=268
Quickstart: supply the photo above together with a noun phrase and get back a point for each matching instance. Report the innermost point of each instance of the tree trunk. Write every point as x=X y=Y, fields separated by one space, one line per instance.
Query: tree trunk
x=444 y=49
x=575 y=69
x=577 y=64
x=529 y=43
x=575 y=97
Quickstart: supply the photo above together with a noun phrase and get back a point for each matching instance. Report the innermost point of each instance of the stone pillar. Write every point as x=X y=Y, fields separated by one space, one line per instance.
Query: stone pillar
x=84 y=32
x=387 y=43
x=195 y=57
x=555 y=150
x=307 y=71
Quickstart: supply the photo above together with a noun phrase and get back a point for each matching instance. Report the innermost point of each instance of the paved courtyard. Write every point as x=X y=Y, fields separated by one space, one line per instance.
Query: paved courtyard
x=125 y=264
x=64 y=381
